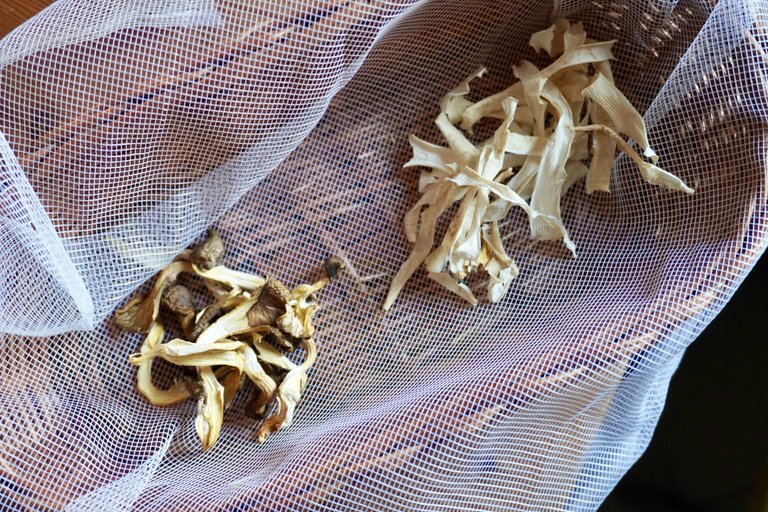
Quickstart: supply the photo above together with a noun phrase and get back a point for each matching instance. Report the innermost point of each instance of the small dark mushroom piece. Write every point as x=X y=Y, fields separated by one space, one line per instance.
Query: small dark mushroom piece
x=270 y=303
x=209 y=253
x=209 y=315
x=141 y=311
x=333 y=266
x=177 y=299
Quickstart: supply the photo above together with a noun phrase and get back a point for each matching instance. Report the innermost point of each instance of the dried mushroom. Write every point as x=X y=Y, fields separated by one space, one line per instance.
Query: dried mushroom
x=232 y=278
x=230 y=324
x=289 y=392
x=242 y=335
x=265 y=385
x=558 y=125
x=210 y=408
x=141 y=311
x=268 y=305
x=179 y=392
x=208 y=254
x=178 y=300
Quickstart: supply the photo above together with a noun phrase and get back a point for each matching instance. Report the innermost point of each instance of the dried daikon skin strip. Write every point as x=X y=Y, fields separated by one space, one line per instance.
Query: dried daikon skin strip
x=623 y=116
x=603 y=153
x=650 y=172
x=455 y=103
x=559 y=125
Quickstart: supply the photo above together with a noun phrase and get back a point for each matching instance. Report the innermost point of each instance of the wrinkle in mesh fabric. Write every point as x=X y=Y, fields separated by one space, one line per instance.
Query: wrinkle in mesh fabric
x=129 y=129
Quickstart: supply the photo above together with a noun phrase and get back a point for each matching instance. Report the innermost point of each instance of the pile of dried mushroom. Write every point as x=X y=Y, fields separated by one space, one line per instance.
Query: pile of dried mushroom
x=244 y=331
x=557 y=125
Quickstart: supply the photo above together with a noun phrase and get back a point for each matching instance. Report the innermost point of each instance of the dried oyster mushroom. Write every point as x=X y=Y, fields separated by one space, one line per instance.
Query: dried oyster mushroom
x=269 y=304
x=230 y=324
x=208 y=254
x=233 y=339
x=138 y=314
x=177 y=299
x=270 y=356
x=184 y=353
x=554 y=121
x=230 y=379
x=232 y=278
x=289 y=393
x=141 y=311
x=210 y=408
x=262 y=381
x=179 y=392
x=204 y=319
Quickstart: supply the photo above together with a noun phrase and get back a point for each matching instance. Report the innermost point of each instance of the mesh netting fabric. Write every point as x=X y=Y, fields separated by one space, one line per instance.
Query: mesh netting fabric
x=129 y=126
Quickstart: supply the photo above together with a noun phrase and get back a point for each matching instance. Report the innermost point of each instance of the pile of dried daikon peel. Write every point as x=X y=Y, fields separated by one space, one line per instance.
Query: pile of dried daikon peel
x=558 y=125
x=243 y=332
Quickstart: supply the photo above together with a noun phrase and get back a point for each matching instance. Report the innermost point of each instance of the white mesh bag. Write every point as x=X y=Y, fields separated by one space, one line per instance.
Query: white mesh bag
x=129 y=126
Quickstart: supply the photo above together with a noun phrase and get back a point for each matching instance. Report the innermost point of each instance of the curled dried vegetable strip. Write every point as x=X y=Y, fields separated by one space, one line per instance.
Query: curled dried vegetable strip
x=559 y=125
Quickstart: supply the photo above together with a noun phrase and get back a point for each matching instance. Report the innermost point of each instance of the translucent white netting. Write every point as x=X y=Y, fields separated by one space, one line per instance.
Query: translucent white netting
x=129 y=126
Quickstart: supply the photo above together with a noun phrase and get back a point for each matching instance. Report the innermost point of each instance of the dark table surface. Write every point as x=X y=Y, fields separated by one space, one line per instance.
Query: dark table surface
x=709 y=452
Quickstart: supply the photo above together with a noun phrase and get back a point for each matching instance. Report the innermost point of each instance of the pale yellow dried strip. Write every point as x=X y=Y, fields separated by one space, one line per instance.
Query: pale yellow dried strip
x=574 y=171
x=542 y=40
x=268 y=354
x=458 y=226
x=525 y=179
x=230 y=324
x=465 y=255
x=501 y=268
x=624 y=117
x=571 y=83
x=527 y=145
x=468 y=177
x=256 y=374
x=453 y=285
x=184 y=353
x=574 y=36
x=585 y=54
x=156 y=396
x=178 y=347
x=426 y=154
x=210 y=408
x=454 y=103
x=490 y=105
x=650 y=172
x=545 y=200
x=551 y=39
x=465 y=150
x=455 y=108
x=579 y=147
x=603 y=152
x=232 y=278
x=230 y=381
x=425 y=239
x=497 y=210
x=289 y=392
x=604 y=68
x=430 y=193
